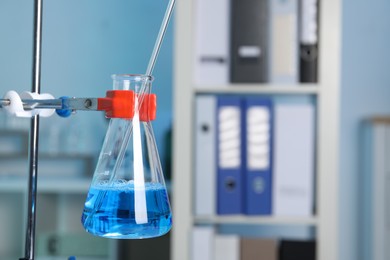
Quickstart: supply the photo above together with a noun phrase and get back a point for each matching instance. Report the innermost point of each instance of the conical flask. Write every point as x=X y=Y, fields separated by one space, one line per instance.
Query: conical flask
x=127 y=198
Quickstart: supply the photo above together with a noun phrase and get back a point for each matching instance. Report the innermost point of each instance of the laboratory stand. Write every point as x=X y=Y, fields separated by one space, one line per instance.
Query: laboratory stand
x=127 y=197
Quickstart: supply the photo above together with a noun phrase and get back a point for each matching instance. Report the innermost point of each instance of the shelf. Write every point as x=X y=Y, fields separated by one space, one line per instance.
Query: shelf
x=76 y=186
x=312 y=89
x=247 y=220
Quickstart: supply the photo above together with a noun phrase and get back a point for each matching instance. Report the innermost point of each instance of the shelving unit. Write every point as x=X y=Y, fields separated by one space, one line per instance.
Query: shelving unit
x=259 y=89
x=312 y=221
x=327 y=93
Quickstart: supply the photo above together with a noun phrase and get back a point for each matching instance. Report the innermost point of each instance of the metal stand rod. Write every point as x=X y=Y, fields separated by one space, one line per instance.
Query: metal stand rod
x=34 y=134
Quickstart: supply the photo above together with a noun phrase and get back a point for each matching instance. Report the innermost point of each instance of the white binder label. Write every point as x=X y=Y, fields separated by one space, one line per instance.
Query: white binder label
x=258 y=138
x=229 y=137
x=249 y=51
x=309 y=22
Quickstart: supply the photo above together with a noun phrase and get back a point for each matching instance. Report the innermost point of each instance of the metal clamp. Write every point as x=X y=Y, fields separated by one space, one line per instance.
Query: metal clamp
x=116 y=104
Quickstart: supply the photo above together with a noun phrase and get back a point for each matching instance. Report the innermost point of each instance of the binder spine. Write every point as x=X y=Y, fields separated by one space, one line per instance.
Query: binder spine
x=211 y=61
x=227 y=247
x=308 y=41
x=229 y=155
x=295 y=249
x=293 y=171
x=284 y=41
x=249 y=41
x=205 y=168
x=258 y=170
x=202 y=243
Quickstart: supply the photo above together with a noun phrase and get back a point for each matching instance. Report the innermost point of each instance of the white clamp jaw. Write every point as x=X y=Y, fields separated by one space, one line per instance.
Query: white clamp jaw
x=15 y=106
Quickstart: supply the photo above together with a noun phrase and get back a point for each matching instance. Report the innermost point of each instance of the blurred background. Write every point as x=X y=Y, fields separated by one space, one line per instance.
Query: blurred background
x=85 y=42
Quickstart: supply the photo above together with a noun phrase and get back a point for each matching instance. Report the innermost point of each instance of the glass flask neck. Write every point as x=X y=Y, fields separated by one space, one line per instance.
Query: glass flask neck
x=133 y=82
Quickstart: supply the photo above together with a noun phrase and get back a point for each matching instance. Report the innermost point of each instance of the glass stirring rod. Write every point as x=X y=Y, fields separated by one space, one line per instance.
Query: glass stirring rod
x=160 y=37
x=149 y=71
x=138 y=171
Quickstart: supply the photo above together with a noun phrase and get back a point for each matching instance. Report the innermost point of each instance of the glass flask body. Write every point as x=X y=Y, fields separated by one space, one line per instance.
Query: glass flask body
x=127 y=198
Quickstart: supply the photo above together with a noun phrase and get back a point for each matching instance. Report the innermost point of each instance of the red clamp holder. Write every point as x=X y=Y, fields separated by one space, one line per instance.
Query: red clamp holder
x=121 y=104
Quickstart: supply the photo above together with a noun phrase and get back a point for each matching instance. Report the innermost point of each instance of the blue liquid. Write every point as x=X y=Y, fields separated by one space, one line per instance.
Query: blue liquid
x=116 y=216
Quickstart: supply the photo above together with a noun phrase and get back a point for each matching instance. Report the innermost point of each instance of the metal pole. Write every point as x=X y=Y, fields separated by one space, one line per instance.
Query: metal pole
x=34 y=134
